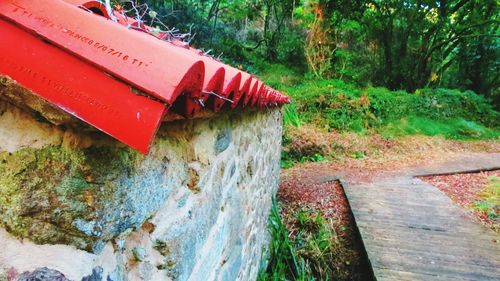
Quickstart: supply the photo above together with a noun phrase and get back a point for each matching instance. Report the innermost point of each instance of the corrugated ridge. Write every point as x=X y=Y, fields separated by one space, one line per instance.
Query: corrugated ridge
x=246 y=94
x=171 y=75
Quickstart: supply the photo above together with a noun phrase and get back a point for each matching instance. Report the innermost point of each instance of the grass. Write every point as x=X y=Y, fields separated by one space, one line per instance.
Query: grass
x=288 y=160
x=316 y=242
x=456 y=128
x=306 y=257
x=489 y=202
x=283 y=263
x=314 y=251
x=451 y=113
x=291 y=115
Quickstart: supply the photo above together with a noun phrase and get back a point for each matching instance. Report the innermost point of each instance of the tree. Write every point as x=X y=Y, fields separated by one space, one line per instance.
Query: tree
x=419 y=39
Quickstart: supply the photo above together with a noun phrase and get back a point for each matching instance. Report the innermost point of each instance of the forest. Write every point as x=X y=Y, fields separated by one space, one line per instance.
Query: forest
x=399 y=45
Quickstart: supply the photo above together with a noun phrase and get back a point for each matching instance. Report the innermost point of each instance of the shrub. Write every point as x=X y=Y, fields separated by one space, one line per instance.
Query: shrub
x=283 y=262
x=336 y=105
x=489 y=200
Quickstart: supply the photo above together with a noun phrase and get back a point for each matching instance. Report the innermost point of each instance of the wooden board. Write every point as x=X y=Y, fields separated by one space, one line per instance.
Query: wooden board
x=413 y=231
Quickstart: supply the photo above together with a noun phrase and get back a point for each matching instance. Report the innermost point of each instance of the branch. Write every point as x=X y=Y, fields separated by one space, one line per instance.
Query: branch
x=458 y=6
x=459 y=35
x=110 y=11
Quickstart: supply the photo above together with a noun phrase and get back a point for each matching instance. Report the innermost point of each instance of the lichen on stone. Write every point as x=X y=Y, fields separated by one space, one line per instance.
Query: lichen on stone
x=162 y=247
x=95 y=276
x=193 y=180
x=42 y=274
x=223 y=140
x=139 y=253
x=44 y=193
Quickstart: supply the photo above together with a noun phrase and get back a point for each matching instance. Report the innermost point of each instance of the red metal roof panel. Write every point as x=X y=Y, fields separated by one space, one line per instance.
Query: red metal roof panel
x=79 y=88
x=90 y=48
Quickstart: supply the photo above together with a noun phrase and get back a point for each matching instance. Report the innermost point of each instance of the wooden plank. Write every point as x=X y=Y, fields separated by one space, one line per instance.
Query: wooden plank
x=413 y=231
x=425 y=255
x=416 y=222
x=404 y=211
x=440 y=244
x=433 y=266
x=396 y=275
x=416 y=230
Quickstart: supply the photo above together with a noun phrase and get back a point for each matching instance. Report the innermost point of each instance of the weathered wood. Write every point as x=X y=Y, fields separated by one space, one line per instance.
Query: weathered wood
x=413 y=231
x=389 y=274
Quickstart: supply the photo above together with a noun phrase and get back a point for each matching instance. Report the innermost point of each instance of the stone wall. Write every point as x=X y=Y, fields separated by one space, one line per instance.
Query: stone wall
x=77 y=205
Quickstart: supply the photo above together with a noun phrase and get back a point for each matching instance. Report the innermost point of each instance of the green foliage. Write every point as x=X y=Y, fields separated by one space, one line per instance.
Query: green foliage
x=452 y=128
x=276 y=75
x=341 y=106
x=284 y=263
x=490 y=199
x=394 y=44
x=314 y=252
x=316 y=240
x=358 y=155
x=336 y=105
x=291 y=116
x=288 y=160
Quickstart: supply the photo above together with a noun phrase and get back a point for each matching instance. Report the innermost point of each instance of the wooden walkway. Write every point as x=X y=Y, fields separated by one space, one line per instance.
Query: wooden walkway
x=413 y=231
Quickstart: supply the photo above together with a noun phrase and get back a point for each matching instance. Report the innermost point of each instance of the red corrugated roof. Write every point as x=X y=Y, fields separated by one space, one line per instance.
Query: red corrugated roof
x=90 y=63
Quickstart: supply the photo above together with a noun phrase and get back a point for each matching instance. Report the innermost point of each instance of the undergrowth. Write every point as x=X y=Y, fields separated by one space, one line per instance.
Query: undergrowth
x=453 y=128
x=283 y=263
x=334 y=105
x=306 y=256
x=313 y=252
x=337 y=106
x=489 y=202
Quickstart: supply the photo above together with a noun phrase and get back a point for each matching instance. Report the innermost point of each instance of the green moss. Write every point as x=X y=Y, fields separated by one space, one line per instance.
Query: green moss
x=139 y=254
x=162 y=247
x=43 y=192
x=167 y=265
